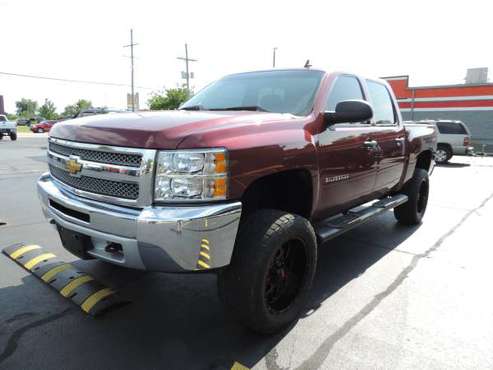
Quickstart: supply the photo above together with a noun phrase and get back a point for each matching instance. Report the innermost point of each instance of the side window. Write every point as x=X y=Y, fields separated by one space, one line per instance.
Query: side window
x=451 y=128
x=383 y=109
x=345 y=88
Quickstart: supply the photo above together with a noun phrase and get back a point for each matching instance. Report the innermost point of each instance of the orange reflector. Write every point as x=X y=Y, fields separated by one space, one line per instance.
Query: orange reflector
x=220 y=187
x=220 y=162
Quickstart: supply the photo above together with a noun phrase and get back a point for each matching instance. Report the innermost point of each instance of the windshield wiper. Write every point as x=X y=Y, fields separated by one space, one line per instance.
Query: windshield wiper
x=247 y=107
x=193 y=107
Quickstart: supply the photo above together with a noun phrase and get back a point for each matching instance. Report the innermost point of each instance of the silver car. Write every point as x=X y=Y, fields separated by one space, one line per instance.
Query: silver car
x=454 y=137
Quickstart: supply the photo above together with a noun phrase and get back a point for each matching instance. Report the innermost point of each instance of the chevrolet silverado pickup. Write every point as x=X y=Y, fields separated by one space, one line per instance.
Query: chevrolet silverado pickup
x=246 y=179
x=7 y=128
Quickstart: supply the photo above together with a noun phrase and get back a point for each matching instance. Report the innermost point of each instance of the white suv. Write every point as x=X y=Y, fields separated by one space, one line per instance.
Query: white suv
x=453 y=138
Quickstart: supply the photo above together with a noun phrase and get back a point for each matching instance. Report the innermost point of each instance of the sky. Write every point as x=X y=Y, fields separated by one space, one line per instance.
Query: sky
x=433 y=41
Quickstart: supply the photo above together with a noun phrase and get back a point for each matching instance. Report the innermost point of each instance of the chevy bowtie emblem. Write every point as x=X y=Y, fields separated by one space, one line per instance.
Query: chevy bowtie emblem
x=73 y=166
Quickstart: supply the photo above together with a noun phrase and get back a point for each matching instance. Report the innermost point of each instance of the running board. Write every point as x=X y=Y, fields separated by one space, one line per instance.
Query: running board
x=335 y=226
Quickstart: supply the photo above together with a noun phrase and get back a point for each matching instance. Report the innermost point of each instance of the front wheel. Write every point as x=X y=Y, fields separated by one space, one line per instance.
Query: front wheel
x=13 y=136
x=417 y=189
x=40 y=130
x=266 y=285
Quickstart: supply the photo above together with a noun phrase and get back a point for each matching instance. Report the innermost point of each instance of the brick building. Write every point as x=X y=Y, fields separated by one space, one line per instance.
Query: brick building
x=471 y=103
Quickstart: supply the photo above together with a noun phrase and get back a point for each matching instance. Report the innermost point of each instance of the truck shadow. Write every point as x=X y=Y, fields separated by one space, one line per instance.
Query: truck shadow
x=454 y=165
x=174 y=322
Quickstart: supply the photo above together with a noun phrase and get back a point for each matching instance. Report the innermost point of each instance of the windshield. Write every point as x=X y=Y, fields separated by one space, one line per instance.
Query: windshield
x=272 y=91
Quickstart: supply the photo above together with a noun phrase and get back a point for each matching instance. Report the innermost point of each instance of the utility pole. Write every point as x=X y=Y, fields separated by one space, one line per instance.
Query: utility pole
x=274 y=57
x=132 y=44
x=187 y=59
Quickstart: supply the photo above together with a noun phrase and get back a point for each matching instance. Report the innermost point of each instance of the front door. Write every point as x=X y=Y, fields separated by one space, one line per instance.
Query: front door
x=346 y=154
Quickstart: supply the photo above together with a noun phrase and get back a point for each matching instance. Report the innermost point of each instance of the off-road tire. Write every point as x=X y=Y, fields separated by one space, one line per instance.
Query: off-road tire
x=447 y=151
x=417 y=190
x=245 y=284
x=13 y=136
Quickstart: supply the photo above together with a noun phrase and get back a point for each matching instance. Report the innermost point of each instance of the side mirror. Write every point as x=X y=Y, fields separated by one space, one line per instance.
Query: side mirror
x=349 y=111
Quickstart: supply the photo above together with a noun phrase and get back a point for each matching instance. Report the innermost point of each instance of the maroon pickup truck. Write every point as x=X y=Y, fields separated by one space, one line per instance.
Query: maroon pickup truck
x=245 y=179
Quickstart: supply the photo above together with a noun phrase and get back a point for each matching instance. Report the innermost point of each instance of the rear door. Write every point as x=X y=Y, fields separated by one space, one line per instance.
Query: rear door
x=346 y=161
x=390 y=135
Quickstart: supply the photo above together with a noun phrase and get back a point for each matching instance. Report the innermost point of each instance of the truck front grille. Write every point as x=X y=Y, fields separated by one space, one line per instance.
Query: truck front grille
x=97 y=186
x=124 y=175
x=122 y=159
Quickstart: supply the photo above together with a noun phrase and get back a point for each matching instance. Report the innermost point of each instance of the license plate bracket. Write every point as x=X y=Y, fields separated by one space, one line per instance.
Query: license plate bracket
x=76 y=243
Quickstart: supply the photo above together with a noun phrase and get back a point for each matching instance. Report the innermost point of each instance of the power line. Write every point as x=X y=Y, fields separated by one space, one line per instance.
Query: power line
x=74 y=81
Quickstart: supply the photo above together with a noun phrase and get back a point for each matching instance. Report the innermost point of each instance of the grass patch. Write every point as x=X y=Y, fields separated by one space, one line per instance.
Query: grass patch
x=23 y=129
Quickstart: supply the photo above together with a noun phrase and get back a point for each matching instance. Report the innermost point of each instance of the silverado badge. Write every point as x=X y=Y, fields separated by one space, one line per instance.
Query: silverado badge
x=73 y=166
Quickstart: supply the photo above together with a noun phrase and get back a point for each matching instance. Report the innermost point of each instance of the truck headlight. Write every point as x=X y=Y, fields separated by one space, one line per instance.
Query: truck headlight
x=191 y=175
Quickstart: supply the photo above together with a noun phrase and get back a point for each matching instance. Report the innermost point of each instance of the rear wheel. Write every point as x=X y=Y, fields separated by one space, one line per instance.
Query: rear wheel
x=417 y=190
x=13 y=136
x=40 y=130
x=443 y=154
x=267 y=283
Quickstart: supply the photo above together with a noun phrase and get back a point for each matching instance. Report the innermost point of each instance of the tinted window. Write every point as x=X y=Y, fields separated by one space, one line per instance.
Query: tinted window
x=275 y=91
x=345 y=88
x=451 y=128
x=383 y=109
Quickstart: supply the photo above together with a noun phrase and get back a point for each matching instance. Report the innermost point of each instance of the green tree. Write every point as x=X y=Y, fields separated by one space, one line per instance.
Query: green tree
x=73 y=109
x=26 y=107
x=169 y=99
x=12 y=117
x=48 y=110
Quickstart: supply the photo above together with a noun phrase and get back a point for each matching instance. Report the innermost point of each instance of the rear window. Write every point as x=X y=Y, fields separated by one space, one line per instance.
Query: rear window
x=451 y=128
x=383 y=109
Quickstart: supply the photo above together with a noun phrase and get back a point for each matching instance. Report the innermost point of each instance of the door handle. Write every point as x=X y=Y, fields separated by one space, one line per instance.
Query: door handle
x=399 y=141
x=370 y=144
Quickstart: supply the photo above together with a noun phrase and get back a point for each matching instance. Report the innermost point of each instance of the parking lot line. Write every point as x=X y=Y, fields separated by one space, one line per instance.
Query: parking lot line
x=238 y=366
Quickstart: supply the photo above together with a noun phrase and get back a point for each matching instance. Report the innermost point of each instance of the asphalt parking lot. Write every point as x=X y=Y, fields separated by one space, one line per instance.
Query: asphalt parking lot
x=385 y=296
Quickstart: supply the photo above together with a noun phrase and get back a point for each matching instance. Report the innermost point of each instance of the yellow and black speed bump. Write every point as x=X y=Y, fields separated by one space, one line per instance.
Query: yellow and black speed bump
x=91 y=296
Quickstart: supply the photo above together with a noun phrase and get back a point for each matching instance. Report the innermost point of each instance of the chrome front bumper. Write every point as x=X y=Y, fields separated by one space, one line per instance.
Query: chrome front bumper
x=153 y=238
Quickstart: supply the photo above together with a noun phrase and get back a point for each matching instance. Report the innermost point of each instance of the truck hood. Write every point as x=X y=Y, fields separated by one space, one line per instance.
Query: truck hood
x=156 y=130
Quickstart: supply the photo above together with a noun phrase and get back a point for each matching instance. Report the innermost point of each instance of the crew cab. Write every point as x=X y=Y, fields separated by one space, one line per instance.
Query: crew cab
x=246 y=179
x=7 y=128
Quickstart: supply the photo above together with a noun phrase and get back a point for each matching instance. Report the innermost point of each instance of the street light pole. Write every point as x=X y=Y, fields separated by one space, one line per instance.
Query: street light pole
x=186 y=67
x=187 y=70
x=132 y=63
x=274 y=57
x=132 y=44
